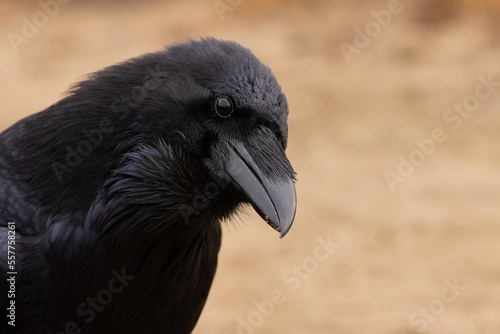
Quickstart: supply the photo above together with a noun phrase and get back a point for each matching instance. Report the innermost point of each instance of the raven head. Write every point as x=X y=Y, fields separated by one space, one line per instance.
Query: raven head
x=242 y=114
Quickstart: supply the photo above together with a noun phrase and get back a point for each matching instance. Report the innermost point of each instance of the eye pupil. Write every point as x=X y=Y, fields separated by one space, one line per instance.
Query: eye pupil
x=223 y=107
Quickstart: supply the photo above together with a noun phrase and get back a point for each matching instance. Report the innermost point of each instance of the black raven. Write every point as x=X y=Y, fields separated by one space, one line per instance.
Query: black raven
x=112 y=198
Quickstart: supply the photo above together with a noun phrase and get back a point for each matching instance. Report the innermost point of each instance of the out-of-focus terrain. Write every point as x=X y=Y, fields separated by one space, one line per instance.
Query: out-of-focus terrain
x=418 y=255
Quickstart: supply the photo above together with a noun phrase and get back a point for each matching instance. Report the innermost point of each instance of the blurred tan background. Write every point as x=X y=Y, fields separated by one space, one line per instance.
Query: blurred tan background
x=413 y=230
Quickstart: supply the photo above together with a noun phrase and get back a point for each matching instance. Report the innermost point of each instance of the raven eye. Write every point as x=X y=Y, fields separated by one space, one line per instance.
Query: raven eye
x=223 y=107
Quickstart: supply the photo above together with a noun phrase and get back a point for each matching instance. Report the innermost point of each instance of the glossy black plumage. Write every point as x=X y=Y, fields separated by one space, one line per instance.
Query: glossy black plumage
x=126 y=180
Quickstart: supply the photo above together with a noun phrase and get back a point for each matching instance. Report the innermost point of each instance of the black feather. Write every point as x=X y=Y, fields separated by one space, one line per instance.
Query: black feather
x=120 y=179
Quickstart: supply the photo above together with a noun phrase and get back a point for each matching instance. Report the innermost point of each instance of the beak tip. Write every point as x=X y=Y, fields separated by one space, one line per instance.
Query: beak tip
x=284 y=231
x=274 y=199
x=279 y=227
x=282 y=219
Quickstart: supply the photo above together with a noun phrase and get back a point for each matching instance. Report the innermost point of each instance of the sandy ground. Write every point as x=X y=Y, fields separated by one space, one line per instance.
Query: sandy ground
x=418 y=254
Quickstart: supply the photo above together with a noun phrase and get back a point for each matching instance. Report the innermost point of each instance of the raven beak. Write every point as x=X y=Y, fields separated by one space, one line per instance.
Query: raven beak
x=273 y=198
